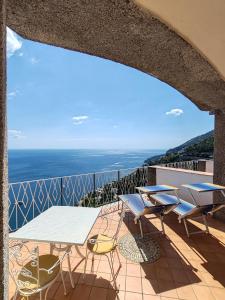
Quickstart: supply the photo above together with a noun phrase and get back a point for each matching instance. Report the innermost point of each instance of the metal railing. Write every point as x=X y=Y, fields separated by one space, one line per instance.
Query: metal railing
x=188 y=165
x=30 y=198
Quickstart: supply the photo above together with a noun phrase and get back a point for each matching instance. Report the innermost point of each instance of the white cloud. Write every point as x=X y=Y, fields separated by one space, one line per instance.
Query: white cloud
x=78 y=120
x=175 y=112
x=16 y=134
x=34 y=60
x=20 y=54
x=13 y=43
x=13 y=94
x=115 y=126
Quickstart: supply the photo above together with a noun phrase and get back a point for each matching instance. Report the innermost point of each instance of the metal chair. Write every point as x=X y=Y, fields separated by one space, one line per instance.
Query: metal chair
x=33 y=273
x=105 y=244
x=186 y=210
x=139 y=206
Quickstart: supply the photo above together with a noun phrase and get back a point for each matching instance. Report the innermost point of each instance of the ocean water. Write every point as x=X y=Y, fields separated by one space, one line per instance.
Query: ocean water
x=36 y=164
x=33 y=198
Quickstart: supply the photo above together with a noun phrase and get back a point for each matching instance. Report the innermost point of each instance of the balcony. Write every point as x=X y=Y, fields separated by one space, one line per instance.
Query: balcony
x=188 y=268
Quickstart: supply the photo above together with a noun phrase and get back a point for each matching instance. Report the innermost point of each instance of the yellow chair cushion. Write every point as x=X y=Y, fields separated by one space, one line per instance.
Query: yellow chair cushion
x=31 y=284
x=103 y=244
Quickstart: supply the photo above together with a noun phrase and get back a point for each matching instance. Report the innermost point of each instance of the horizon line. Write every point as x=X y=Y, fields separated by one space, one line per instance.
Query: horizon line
x=87 y=149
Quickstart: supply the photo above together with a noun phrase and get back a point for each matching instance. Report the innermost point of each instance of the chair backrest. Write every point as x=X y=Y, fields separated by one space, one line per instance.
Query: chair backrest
x=24 y=266
x=114 y=219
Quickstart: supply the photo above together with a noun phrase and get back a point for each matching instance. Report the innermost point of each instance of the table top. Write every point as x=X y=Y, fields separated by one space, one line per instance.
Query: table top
x=204 y=187
x=156 y=188
x=59 y=224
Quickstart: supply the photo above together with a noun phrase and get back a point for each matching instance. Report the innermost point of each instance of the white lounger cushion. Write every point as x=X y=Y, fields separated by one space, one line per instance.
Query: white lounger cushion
x=185 y=209
x=165 y=199
x=140 y=206
x=136 y=203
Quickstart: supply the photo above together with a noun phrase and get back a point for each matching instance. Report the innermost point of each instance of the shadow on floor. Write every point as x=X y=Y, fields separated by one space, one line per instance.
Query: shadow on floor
x=84 y=286
x=209 y=248
x=173 y=269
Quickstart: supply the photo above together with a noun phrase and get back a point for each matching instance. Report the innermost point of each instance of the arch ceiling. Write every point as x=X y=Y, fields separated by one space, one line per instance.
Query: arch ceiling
x=136 y=33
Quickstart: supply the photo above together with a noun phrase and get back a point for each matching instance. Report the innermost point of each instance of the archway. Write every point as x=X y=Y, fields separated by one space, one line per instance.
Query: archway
x=121 y=31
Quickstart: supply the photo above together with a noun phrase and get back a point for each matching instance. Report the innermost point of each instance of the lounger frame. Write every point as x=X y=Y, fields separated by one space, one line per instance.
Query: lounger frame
x=196 y=211
x=158 y=210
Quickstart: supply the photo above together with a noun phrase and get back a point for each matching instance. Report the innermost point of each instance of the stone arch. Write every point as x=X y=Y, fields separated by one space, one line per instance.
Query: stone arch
x=121 y=31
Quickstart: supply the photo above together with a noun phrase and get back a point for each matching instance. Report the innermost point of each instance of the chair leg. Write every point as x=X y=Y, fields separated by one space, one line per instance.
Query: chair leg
x=40 y=295
x=63 y=281
x=186 y=227
x=117 y=253
x=162 y=224
x=46 y=293
x=15 y=295
x=70 y=272
x=92 y=263
x=120 y=265
x=86 y=260
x=110 y=261
x=206 y=223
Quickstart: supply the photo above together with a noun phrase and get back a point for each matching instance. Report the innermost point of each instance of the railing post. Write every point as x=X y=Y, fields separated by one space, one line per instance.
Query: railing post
x=118 y=180
x=94 y=187
x=61 y=191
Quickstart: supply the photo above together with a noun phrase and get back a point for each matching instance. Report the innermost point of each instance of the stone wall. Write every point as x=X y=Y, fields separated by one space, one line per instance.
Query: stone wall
x=3 y=162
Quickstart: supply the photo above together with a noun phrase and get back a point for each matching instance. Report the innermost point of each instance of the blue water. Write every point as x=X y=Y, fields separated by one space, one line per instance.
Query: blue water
x=35 y=164
x=33 y=198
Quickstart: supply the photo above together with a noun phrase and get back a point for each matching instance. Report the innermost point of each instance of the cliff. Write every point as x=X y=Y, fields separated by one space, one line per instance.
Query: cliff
x=200 y=147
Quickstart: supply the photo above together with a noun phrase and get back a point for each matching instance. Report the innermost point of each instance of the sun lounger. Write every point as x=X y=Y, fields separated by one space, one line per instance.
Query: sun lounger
x=139 y=206
x=186 y=210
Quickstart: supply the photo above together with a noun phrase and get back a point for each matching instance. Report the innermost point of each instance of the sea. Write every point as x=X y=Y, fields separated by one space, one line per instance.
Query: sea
x=26 y=165
x=29 y=199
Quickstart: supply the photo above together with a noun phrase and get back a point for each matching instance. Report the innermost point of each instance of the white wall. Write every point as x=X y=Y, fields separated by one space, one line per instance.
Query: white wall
x=209 y=166
x=177 y=177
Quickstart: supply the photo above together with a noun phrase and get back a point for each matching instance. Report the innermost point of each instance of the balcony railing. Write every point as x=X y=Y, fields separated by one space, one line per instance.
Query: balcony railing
x=30 y=198
x=195 y=165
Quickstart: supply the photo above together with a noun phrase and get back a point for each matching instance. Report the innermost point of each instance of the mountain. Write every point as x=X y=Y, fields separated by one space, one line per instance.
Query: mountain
x=200 y=147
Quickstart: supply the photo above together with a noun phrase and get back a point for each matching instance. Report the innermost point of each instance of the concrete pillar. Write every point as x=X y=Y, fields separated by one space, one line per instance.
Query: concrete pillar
x=3 y=160
x=151 y=176
x=219 y=156
x=202 y=165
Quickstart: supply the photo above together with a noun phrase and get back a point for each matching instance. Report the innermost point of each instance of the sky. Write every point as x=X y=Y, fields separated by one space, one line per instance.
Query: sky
x=61 y=99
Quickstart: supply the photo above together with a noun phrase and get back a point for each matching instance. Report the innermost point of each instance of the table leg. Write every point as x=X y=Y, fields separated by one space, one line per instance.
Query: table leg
x=70 y=272
x=51 y=248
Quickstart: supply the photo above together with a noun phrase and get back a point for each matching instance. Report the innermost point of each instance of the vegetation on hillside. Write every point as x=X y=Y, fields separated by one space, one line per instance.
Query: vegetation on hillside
x=200 y=147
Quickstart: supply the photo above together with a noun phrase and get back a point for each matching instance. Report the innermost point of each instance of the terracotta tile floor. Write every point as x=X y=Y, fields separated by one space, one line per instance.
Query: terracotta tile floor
x=189 y=268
